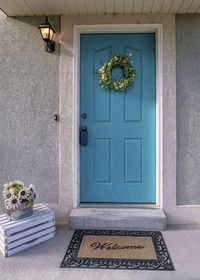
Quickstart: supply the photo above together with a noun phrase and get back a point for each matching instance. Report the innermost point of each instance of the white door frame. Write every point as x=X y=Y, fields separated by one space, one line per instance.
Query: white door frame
x=122 y=28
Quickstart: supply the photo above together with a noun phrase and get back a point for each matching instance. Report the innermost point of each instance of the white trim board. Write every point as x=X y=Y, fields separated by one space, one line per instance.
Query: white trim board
x=122 y=28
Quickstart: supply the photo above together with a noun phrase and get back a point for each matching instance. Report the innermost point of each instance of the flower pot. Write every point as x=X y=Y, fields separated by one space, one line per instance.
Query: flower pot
x=14 y=215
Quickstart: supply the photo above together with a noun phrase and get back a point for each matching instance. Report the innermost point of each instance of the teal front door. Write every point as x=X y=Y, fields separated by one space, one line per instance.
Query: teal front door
x=117 y=165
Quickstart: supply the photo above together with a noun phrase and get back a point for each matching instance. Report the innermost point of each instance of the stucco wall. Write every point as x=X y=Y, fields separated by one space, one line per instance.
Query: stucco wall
x=188 y=108
x=29 y=98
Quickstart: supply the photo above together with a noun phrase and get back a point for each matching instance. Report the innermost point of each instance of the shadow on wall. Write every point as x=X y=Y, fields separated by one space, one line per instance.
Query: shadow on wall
x=188 y=108
x=35 y=21
x=29 y=94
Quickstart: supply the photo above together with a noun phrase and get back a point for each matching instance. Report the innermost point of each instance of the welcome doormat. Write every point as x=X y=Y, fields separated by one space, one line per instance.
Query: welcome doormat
x=142 y=250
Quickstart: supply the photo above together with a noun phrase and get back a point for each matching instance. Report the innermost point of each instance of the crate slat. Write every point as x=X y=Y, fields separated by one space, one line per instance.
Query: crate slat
x=30 y=244
x=5 y=224
x=33 y=222
x=32 y=230
x=3 y=251
x=10 y=224
x=2 y=244
x=2 y=238
x=30 y=238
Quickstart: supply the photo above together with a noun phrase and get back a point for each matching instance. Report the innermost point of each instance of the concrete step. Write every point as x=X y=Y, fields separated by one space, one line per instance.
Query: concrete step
x=117 y=219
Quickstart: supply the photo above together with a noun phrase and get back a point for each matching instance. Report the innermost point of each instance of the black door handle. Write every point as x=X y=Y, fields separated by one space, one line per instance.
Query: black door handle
x=83 y=135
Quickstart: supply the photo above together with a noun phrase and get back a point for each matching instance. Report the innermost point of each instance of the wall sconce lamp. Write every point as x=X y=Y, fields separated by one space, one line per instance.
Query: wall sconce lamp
x=47 y=33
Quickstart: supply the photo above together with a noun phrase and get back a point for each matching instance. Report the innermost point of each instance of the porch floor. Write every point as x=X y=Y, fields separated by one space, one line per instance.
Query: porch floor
x=43 y=260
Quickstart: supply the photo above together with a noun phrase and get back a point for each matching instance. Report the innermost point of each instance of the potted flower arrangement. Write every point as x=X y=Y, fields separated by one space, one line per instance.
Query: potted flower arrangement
x=19 y=199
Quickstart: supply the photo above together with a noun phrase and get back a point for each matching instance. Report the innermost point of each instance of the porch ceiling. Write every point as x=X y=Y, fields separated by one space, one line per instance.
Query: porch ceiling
x=81 y=7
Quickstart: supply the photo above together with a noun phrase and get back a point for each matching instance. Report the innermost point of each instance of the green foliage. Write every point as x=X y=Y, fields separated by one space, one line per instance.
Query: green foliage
x=30 y=202
x=105 y=72
x=16 y=188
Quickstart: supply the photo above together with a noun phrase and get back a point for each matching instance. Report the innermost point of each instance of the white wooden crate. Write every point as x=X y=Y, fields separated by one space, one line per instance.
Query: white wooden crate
x=16 y=236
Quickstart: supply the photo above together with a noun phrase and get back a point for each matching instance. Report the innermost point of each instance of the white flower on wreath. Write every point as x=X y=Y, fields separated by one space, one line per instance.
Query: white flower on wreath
x=102 y=69
x=12 y=203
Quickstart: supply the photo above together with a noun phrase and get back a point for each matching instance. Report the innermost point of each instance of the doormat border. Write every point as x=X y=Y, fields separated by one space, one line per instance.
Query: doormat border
x=163 y=262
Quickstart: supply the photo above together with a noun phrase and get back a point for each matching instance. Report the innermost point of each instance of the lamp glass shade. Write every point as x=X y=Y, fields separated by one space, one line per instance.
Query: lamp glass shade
x=51 y=34
x=47 y=33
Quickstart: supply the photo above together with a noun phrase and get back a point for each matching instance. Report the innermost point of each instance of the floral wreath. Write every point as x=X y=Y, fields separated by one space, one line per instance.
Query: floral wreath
x=105 y=72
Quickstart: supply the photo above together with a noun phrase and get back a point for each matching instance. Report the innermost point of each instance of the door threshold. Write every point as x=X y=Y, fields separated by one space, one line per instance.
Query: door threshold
x=119 y=205
x=117 y=219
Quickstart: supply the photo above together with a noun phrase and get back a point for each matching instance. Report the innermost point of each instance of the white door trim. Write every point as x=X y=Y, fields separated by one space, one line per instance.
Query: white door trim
x=122 y=28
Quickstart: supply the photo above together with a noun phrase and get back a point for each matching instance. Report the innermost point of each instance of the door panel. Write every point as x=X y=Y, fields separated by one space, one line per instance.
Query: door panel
x=118 y=164
x=133 y=160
